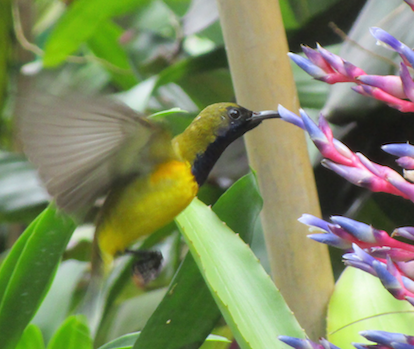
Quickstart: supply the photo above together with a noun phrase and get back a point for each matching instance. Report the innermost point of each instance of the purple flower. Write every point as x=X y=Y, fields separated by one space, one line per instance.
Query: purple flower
x=382 y=340
x=326 y=66
x=393 y=90
x=354 y=167
x=405 y=52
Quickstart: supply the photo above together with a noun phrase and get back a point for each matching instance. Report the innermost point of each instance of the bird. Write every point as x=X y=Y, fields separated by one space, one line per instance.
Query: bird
x=91 y=148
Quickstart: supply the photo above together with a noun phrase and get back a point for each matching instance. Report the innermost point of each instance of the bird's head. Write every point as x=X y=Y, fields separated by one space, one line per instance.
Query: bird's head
x=217 y=126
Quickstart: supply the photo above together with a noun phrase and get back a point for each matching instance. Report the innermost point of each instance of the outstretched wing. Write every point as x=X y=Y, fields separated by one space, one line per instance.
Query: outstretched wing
x=82 y=146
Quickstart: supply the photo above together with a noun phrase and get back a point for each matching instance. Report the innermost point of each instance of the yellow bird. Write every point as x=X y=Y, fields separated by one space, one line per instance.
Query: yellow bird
x=88 y=149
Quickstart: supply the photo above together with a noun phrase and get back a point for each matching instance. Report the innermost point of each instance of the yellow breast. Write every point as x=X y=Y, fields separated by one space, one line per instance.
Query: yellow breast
x=143 y=206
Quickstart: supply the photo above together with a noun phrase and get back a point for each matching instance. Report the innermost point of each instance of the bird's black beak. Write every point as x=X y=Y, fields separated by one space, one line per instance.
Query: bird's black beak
x=265 y=114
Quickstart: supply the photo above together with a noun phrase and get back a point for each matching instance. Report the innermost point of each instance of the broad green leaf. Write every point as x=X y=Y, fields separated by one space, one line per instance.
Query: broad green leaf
x=360 y=303
x=248 y=299
x=128 y=340
x=79 y=23
x=28 y=270
x=105 y=44
x=31 y=338
x=206 y=62
x=56 y=305
x=239 y=207
x=73 y=334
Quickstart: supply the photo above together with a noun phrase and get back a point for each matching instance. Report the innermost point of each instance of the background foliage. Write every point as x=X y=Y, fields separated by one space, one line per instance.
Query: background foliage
x=155 y=55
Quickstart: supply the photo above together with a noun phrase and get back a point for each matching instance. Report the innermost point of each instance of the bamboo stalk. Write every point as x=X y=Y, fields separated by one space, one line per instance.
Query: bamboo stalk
x=256 y=48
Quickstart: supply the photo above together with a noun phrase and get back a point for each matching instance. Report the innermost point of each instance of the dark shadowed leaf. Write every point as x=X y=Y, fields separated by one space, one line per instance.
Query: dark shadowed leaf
x=28 y=270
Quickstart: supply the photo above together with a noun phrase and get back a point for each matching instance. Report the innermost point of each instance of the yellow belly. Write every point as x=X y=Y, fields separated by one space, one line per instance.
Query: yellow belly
x=144 y=206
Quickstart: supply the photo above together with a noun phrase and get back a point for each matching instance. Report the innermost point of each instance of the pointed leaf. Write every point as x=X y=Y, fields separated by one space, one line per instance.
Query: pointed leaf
x=248 y=299
x=27 y=272
x=73 y=334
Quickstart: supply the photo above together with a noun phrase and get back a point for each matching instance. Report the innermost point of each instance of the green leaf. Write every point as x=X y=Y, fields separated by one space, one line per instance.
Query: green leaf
x=105 y=44
x=28 y=270
x=31 y=338
x=73 y=334
x=127 y=341
x=79 y=23
x=55 y=307
x=206 y=62
x=239 y=207
x=248 y=299
x=360 y=303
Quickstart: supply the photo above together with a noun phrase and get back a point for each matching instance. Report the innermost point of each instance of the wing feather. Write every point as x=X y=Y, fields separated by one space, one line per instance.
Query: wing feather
x=77 y=143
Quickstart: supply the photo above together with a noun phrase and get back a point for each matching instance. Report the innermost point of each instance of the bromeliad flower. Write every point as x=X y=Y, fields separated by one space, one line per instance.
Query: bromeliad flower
x=326 y=66
x=299 y=343
x=354 y=167
x=396 y=91
x=382 y=340
x=372 y=251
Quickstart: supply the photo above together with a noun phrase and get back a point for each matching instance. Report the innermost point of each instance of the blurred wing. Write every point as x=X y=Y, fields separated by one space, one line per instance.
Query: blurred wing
x=77 y=144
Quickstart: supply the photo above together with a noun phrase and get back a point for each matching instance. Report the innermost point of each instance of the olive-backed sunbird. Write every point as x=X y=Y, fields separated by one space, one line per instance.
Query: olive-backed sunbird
x=88 y=149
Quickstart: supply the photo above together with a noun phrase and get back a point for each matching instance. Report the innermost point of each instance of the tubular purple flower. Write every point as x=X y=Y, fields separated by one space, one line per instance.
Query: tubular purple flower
x=399 y=149
x=316 y=58
x=352 y=260
x=390 y=83
x=405 y=188
x=357 y=176
x=405 y=232
x=394 y=102
x=393 y=43
x=361 y=231
x=290 y=117
x=370 y=166
x=388 y=280
x=395 y=253
x=333 y=60
x=359 y=346
x=397 y=345
x=307 y=66
x=353 y=71
x=327 y=345
x=406 y=162
x=407 y=82
x=410 y=300
x=331 y=240
x=408 y=283
x=317 y=136
x=313 y=221
x=362 y=255
x=299 y=343
x=343 y=149
x=383 y=337
x=361 y=90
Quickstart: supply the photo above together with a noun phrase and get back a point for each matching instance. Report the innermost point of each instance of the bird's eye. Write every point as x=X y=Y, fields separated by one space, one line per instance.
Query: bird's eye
x=234 y=114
